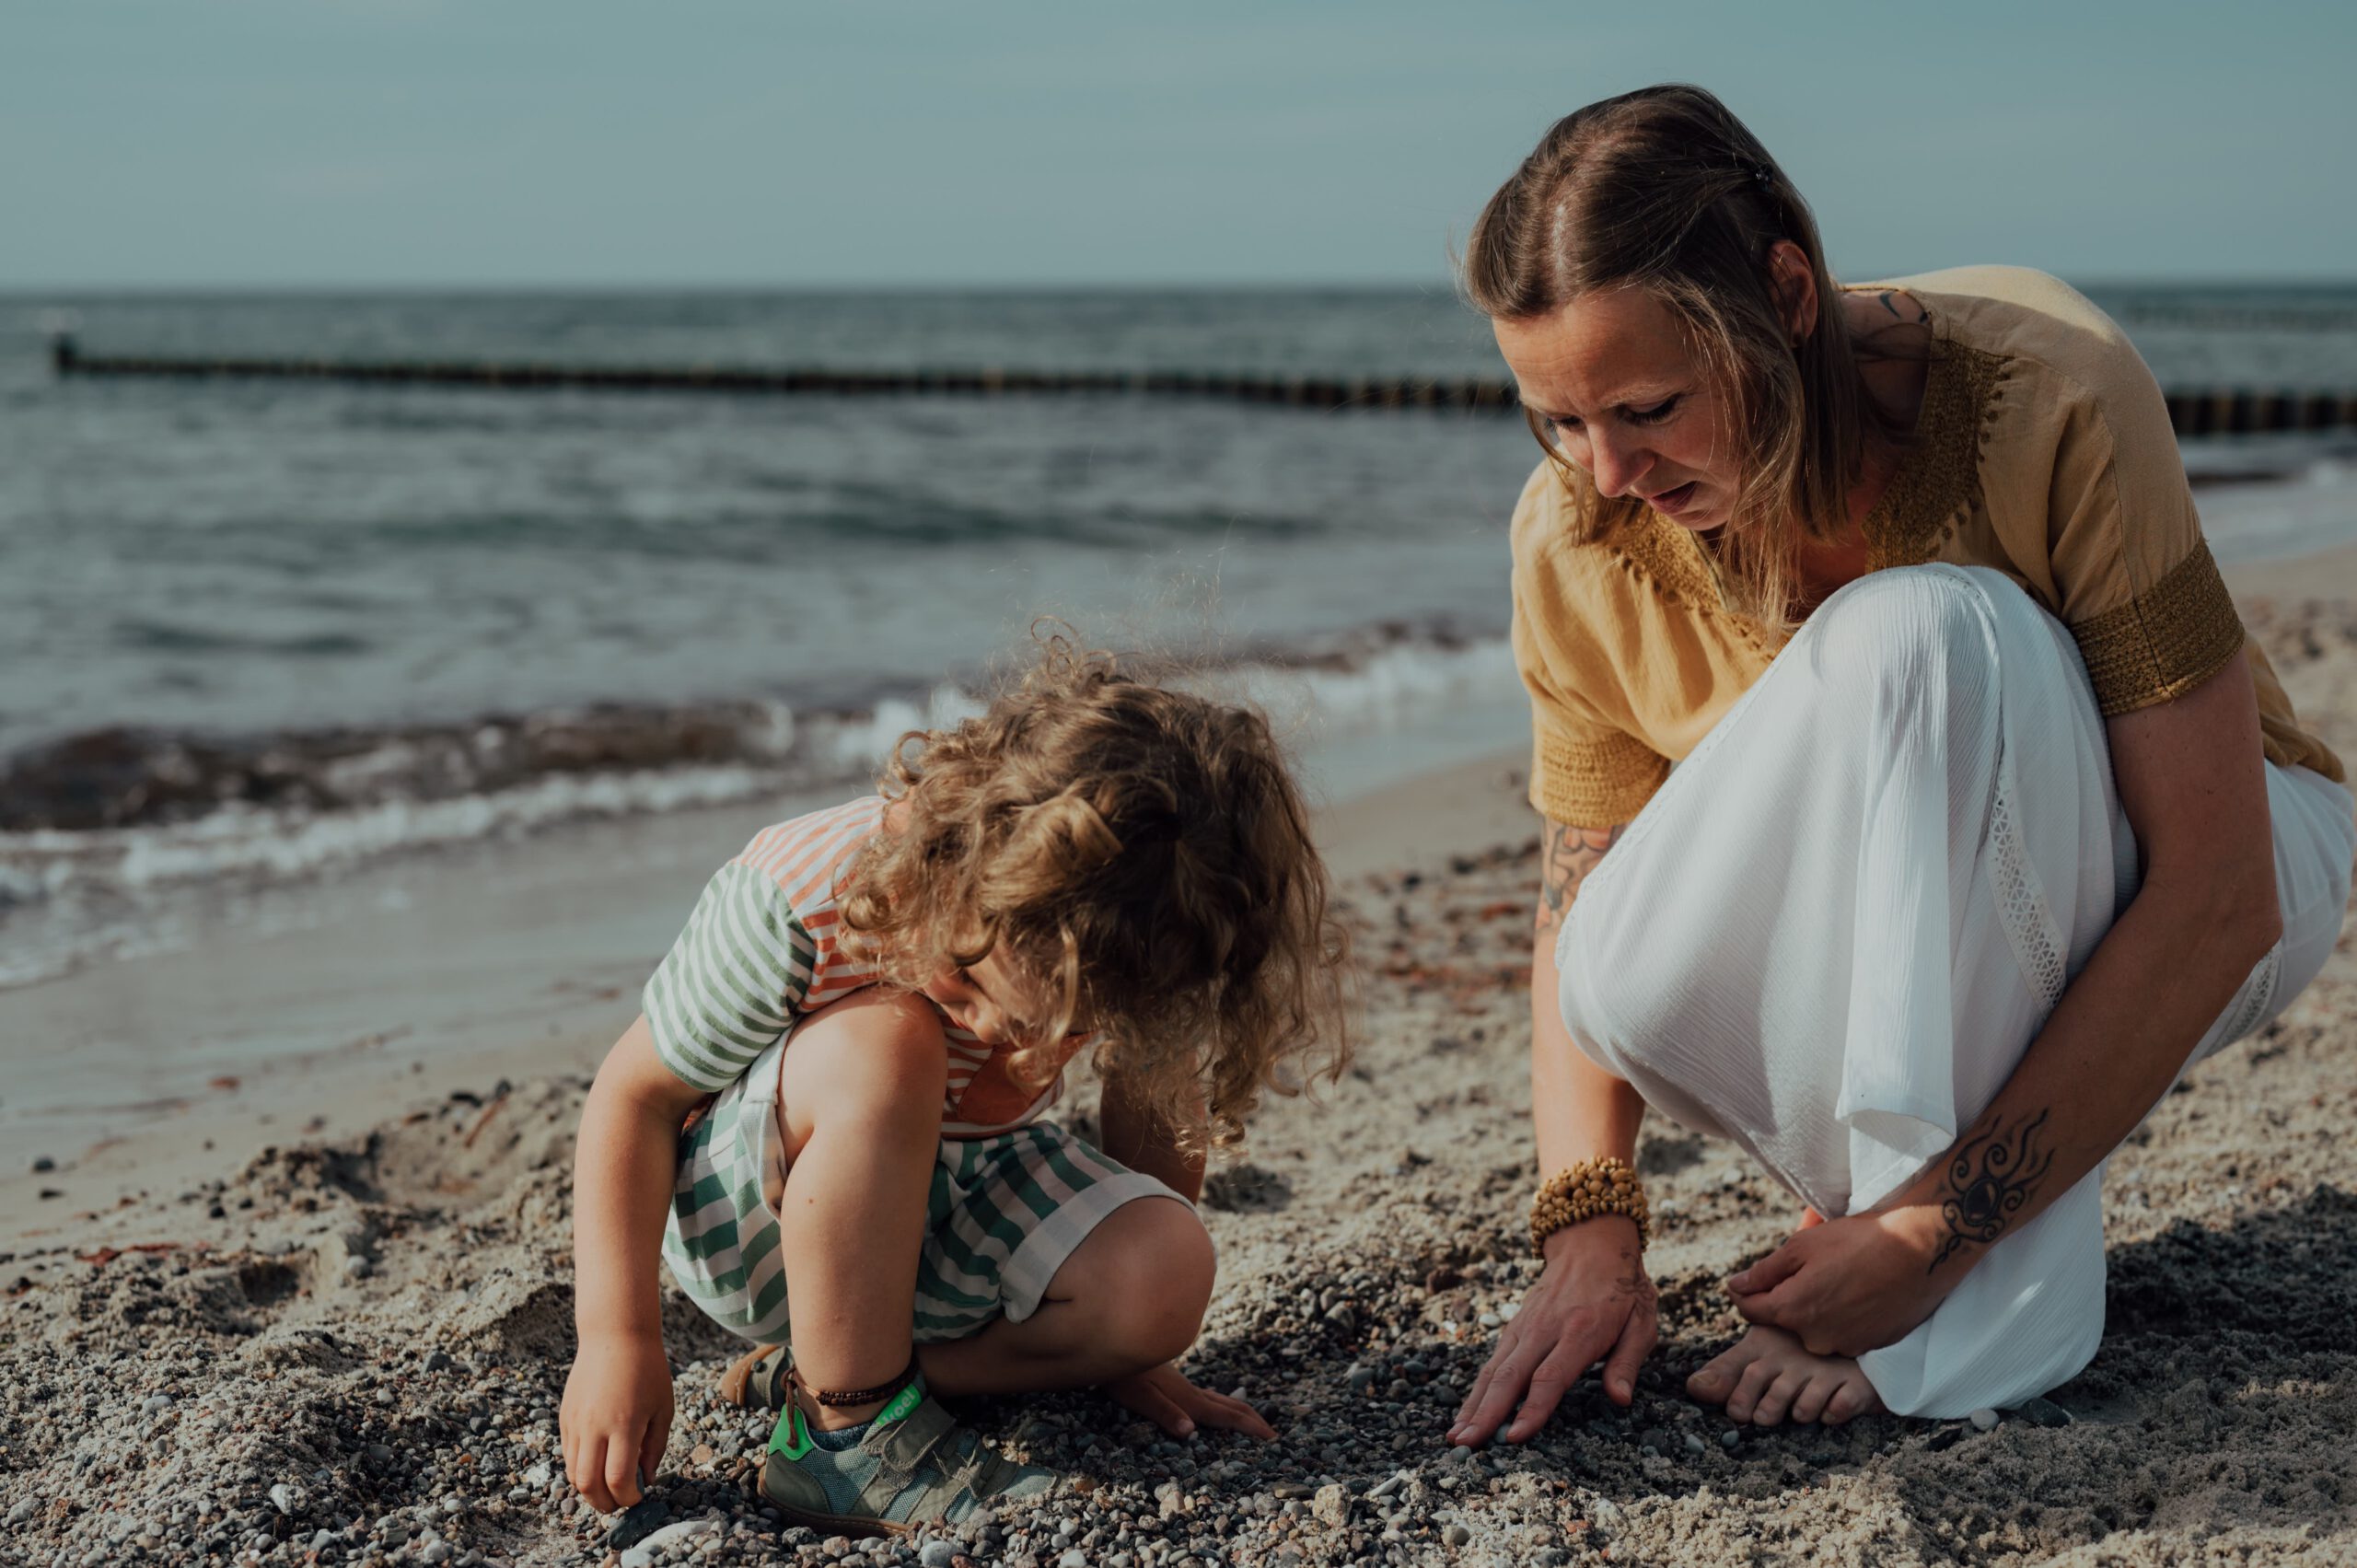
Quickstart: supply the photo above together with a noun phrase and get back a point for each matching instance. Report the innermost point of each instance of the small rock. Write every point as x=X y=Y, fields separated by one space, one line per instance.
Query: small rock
x=1457 y=1535
x=1389 y=1484
x=1947 y=1437
x=1359 y=1378
x=1489 y=1319
x=2043 y=1412
x=1331 y=1507
x=640 y=1520
x=1694 y=1444
x=1984 y=1419
x=701 y=1454
x=288 y=1500
x=155 y=1404
x=438 y=1362
x=1075 y=1558
x=43 y=1163
x=938 y=1554
x=438 y=1551
x=643 y=1554
x=1730 y=1439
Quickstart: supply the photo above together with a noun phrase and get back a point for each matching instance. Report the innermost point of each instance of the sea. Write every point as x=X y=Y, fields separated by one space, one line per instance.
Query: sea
x=256 y=633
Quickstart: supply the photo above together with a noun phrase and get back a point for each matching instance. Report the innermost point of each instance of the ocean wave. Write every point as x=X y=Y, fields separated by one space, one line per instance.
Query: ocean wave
x=104 y=835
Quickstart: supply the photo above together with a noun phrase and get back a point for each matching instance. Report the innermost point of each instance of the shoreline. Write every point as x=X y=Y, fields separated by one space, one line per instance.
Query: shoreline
x=446 y=974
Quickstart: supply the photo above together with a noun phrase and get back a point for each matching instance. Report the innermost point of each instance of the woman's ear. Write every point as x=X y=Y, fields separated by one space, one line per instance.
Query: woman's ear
x=1794 y=283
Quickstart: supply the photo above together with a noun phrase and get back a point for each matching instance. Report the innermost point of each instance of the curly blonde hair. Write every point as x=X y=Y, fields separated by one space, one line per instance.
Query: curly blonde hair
x=1141 y=854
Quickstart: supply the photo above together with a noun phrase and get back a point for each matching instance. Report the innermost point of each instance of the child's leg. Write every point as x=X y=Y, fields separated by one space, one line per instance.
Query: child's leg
x=860 y=1093
x=1130 y=1297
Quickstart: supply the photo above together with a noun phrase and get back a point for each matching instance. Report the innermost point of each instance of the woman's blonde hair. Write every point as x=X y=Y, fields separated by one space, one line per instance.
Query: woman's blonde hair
x=1665 y=190
x=1140 y=854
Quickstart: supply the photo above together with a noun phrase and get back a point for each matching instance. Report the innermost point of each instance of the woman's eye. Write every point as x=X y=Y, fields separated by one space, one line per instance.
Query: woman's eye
x=1654 y=415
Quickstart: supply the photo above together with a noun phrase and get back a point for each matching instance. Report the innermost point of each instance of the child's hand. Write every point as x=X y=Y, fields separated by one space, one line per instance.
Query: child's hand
x=617 y=1418
x=1168 y=1399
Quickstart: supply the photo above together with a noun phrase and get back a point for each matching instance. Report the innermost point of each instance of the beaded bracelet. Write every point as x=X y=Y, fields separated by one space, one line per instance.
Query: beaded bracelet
x=1584 y=1191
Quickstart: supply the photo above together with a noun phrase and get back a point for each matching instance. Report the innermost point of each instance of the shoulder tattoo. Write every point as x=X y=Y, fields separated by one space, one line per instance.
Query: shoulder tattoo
x=1567 y=854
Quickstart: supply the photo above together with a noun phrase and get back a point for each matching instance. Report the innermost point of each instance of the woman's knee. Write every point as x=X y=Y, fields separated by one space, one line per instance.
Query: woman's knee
x=1892 y=628
x=1144 y=1276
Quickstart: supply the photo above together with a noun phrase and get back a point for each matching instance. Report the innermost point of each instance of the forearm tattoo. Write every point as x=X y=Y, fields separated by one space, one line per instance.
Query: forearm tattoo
x=1920 y=318
x=1567 y=856
x=1990 y=1177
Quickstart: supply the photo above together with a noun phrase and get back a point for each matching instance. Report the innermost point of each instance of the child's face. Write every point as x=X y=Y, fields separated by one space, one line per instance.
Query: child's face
x=994 y=1003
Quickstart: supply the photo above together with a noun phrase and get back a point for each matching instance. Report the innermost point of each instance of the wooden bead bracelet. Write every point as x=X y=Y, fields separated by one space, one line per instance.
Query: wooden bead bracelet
x=1584 y=1191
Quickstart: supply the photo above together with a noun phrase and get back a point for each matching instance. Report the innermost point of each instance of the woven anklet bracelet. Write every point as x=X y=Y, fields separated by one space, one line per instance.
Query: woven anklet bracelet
x=1584 y=1191
x=842 y=1398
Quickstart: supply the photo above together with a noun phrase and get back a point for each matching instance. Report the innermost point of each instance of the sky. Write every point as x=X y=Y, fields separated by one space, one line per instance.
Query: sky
x=582 y=143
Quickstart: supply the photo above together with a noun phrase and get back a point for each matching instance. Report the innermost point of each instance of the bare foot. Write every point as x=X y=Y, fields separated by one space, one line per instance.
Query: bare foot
x=1766 y=1376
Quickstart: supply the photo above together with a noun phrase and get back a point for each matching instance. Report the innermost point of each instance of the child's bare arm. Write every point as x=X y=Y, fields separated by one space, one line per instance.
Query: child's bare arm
x=617 y=1414
x=1144 y=1140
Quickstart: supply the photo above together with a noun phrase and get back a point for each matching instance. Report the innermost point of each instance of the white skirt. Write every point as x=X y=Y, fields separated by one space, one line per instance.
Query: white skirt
x=1832 y=933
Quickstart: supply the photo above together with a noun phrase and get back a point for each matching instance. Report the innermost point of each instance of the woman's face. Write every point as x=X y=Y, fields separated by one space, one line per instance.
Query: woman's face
x=1625 y=402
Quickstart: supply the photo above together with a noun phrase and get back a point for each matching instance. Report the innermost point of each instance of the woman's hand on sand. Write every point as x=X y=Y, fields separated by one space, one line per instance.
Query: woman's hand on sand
x=1164 y=1397
x=616 y=1419
x=1851 y=1285
x=1594 y=1302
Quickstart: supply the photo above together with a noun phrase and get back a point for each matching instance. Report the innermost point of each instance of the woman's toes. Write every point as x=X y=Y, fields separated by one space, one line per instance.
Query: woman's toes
x=1749 y=1390
x=1813 y=1399
x=1712 y=1383
x=1778 y=1399
x=1855 y=1396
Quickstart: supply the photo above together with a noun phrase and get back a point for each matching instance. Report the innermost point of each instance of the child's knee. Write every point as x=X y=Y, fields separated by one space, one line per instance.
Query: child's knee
x=1156 y=1284
x=876 y=1059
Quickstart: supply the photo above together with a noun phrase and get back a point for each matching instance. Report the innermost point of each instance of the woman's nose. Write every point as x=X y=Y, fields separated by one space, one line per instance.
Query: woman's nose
x=1615 y=464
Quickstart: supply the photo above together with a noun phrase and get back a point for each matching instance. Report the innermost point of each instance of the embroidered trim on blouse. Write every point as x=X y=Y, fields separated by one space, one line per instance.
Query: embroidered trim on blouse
x=1595 y=784
x=1938 y=482
x=2165 y=642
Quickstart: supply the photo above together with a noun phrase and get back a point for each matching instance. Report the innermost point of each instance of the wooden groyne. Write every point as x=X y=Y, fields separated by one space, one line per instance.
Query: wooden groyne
x=2191 y=412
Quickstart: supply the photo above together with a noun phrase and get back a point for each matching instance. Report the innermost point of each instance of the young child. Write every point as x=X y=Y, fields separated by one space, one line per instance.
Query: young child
x=862 y=1026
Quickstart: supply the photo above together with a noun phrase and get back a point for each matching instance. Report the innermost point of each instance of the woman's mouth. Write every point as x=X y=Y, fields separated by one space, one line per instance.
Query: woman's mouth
x=1669 y=503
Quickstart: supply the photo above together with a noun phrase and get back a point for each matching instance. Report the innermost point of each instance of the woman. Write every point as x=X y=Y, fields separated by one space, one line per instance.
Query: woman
x=1941 y=902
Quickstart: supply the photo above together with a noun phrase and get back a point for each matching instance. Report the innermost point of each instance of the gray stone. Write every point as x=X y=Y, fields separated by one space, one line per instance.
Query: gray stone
x=1694 y=1444
x=155 y=1404
x=442 y=1552
x=938 y=1553
x=1730 y=1439
x=1984 y=1419
x=643 y=1554
x=1457 y=1535
x=2043 y=1412
x=286 y=1499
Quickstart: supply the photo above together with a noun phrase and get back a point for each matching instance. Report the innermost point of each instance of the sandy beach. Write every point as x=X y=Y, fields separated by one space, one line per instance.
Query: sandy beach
x=322 y=1313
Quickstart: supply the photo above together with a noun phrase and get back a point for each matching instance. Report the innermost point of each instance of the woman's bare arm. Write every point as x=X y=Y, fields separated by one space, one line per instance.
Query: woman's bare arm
x=2194 y=788
x=1593 y=1299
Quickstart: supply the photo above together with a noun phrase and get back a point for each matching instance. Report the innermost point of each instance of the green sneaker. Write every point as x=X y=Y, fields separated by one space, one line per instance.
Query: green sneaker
x=913 y=1466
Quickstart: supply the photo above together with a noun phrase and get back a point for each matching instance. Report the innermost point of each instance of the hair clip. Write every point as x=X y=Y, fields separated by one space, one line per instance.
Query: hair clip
x=1763 y=177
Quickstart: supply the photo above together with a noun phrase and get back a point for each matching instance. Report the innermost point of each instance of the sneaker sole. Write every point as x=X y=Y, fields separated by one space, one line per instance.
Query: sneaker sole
x=842 y=1525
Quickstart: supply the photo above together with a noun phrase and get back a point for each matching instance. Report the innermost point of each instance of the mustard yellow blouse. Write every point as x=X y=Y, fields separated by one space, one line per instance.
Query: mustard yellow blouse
x=2043 y=449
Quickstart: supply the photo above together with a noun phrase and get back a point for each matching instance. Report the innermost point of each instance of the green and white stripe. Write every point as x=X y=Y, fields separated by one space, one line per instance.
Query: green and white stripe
x=1002 y=1215
x=738 y=974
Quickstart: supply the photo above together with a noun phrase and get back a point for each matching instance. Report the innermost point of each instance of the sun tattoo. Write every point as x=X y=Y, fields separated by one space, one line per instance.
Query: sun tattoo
x=1990 y=1178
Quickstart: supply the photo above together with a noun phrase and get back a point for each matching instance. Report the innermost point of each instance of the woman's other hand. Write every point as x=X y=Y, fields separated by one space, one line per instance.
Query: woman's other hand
x=1851 y=1285
x=1594 y=1302
x=616 y=1419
